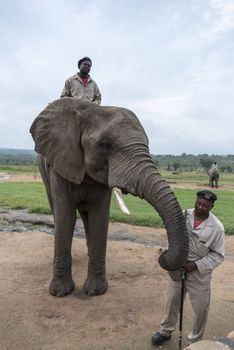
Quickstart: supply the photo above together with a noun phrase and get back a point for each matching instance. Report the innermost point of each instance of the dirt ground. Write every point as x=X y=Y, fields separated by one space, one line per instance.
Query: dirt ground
x=122 y=319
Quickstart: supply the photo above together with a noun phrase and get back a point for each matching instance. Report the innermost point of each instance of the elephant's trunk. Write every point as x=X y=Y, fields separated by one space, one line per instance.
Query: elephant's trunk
x=140 y=177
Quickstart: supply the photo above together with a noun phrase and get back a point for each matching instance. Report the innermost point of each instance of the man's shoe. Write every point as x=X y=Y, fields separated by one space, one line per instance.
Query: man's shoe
x=158 y=338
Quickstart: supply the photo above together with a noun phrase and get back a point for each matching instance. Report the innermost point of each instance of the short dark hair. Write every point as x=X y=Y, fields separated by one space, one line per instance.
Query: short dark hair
x=208 y=195
x=84 y=59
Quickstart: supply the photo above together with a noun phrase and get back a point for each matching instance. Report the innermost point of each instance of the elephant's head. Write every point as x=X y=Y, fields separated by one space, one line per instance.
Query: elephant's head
x=110 y=146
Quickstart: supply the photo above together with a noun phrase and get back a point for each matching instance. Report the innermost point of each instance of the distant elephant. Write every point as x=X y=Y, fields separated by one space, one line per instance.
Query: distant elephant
x=86 y=150
x=213 y=178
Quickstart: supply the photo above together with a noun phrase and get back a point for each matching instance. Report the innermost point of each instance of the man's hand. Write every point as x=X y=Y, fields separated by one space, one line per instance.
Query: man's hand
x=190 y=266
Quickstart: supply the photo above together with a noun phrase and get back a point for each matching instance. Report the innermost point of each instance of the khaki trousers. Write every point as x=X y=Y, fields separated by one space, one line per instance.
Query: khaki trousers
x=199 y=295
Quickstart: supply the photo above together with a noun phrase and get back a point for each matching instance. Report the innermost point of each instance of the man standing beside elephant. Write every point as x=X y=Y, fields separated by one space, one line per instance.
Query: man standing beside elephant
x=81 y=85
x=206 y=252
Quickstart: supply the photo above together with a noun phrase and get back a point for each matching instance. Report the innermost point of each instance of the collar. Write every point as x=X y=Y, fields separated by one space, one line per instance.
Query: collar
x=206 y=222
x=79 y=78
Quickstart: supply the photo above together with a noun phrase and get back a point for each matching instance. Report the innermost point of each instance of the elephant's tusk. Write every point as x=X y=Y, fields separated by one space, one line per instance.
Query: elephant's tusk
x=120 y=201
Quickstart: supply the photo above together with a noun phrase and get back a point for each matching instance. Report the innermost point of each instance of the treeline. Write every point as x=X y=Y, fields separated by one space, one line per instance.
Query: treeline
x=169 y=162
x=17 y=157
x=191 y=162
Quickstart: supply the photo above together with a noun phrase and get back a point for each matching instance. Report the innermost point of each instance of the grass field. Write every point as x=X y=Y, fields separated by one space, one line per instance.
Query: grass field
x=31 y=195
x=16 y=169
x=198 y=178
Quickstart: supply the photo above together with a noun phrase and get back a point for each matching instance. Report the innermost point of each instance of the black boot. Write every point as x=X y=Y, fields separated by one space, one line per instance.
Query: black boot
x=158 y=338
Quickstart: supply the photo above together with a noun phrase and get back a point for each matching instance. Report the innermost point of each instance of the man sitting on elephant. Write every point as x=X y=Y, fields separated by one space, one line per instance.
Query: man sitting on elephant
x=81 y=85
x=206 y=252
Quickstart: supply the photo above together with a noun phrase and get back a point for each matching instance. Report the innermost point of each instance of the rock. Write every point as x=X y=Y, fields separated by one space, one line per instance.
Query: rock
x=205 y=345
x=222 y=343
x=231 y=335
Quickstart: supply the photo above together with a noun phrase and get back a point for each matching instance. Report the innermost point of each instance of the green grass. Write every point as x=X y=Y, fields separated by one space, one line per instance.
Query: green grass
x=143 y=214
x=198 y=178
x=19 y=169
x=24 y=195
x=223 y=208
x=31 y=195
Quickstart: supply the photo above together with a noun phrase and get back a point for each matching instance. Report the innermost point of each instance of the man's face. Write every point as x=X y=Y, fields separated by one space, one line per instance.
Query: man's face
x=85 y=67
x=203 y=206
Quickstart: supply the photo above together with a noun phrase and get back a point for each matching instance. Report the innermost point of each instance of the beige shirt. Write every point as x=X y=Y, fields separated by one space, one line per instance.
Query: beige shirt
x=74 y=87
x=206 y=245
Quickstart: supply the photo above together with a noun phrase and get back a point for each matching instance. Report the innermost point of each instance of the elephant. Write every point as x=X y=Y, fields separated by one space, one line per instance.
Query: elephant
x=85 y=150
x=213 y=178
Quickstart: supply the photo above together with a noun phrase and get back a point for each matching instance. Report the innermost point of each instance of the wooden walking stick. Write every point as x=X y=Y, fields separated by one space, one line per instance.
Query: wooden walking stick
x=181 y=309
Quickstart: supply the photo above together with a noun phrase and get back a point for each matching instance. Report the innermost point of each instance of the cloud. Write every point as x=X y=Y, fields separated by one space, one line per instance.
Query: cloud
x=170 y=62
x=220 y=16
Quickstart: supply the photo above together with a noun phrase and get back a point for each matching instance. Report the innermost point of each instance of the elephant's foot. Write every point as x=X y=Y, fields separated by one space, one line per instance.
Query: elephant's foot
x=59 y=287
x=95 y=286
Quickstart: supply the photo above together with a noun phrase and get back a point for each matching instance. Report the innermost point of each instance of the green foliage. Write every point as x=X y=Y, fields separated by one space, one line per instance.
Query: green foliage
x=206 y=163
x=191 y=162
x=183 y=162
x=17 y=157
x=176 y=165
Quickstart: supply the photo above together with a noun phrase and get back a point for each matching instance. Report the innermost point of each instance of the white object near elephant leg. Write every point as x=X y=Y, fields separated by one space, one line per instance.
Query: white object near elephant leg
x=222 y=343
x=119 y=197
x=206 y=344
x=231 y=335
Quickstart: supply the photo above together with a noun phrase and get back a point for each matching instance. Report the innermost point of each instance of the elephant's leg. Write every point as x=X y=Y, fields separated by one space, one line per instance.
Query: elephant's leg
x=64 y=219
x=212 y=182
x=98 y=219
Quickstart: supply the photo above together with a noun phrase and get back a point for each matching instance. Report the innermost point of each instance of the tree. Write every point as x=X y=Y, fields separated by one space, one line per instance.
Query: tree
x=176 y=165
x=206 y=163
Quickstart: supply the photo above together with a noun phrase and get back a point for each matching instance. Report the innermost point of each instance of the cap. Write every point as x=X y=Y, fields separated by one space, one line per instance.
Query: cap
x=84 y=59
x=206 y=194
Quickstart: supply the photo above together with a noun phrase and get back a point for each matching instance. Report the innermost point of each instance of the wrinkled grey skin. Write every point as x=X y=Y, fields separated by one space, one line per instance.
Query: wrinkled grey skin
x=213 y=178
x=86 y=150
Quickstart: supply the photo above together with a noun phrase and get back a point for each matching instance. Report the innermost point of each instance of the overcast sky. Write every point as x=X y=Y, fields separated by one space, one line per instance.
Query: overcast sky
x=169 y=61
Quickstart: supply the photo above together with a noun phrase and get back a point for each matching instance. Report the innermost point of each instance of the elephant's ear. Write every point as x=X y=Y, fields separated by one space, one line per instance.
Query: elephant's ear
x=56 y=132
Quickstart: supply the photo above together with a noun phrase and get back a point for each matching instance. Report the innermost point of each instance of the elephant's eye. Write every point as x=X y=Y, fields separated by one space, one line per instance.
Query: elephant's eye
x=105 y=144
